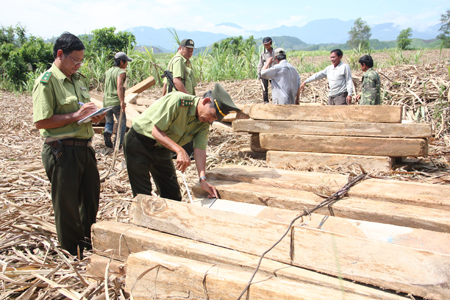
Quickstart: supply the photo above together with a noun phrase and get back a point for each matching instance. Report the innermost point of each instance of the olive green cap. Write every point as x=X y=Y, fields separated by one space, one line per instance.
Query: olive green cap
x=222 y=101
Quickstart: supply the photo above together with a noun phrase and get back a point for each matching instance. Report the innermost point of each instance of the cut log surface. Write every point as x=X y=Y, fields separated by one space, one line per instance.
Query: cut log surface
x=348 y=207
x=133 y=239
x=390 y=130
x=141 y=86
x=97 y=266
x=182 y=278
x=419 y=272
x=414 y=193
x=328 y=113
x=255 y=144
x=344 y=145
x=314 y=161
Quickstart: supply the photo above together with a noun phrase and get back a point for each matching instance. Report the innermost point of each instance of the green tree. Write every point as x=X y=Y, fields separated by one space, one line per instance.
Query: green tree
x=359 y=35
x=105 y=39
x=404 y=38
x=235 y=45
x=445 y=29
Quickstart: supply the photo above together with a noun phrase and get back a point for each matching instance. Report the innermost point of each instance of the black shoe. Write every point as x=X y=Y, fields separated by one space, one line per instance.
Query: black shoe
x=107 y=137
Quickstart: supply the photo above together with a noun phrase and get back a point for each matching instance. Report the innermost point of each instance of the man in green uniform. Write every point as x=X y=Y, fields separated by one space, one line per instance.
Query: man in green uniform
x=60 y=99
x=370 y=85
x=183 y=76
x=166 y=126
x=115 y=96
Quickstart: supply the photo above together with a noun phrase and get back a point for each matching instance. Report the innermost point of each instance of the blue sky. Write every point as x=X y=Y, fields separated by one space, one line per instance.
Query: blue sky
x=47 y=18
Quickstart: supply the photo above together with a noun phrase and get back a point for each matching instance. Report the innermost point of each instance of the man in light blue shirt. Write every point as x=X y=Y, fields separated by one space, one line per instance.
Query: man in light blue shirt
x=339 y=80
x=284 y=77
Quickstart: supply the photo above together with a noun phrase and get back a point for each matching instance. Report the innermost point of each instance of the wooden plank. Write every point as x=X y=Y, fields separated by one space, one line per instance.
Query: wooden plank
x=131 y=98
x=97 y=264
x=344 y=145
x=391 y=130
x=141 y=86
x=120 y=240
x=349 y=207
x=255 y=144
x=182 y=278
x=413 y=193
x=315 y=161
x=131 y=113
x=328 y=113
x=145 y=101
x=411 y=270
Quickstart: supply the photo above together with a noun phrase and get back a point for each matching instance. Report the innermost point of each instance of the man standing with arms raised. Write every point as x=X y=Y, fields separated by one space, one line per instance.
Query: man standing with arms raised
x=339 y=80
x=60 y=99
x=115 y=96
x=285 y=79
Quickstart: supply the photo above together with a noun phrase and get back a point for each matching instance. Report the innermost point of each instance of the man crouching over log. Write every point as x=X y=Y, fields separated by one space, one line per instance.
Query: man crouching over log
x=174 y=120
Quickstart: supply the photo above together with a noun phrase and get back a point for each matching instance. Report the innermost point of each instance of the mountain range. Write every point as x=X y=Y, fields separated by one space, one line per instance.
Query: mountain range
x=324 y=31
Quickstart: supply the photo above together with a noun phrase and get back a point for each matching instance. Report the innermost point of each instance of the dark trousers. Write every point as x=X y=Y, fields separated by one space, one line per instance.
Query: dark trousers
x=266 y=90
x=340 y=99
x=75 y=193
x=144 y=159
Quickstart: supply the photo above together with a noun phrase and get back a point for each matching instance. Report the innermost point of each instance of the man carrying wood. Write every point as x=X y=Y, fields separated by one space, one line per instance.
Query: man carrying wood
x=60 y=99
x=167 y=125
x=370 y=84
x=284 y=77
x=115 y=96
x=183 y=76
x=265 y=55
x=339 y=80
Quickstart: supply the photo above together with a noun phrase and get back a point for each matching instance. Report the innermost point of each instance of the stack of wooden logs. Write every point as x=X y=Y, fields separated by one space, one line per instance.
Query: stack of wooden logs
x=312 y=137
x=384 y=234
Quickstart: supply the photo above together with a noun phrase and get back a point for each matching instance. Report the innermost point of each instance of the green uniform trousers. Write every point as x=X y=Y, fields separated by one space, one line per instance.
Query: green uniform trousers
x=75 y=193
x=144 y=157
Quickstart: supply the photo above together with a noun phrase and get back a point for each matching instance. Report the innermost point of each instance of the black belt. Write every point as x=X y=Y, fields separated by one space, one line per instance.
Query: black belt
x=71 y=142
x=149 y=142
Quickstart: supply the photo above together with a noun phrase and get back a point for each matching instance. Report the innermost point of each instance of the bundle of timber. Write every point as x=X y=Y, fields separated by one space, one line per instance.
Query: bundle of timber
x=314 y=137
x=396 y=239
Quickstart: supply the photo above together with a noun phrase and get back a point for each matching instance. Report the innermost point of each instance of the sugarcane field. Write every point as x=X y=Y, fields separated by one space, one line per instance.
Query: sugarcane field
x=315 y=201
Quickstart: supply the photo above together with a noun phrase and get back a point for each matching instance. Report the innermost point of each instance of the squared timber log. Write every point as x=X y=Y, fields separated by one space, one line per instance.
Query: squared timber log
x=141 y=86
x=413 y=193
x=390 y=130
x=121 y=240
x=419 y=272
x=344 y=145
x=328 y=113
x=348 y=207
x=255 y=144
x=315 y=161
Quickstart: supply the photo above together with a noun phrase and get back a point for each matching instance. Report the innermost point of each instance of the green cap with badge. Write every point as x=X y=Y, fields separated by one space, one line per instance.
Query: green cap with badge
x=188 y=43
x=222 y=101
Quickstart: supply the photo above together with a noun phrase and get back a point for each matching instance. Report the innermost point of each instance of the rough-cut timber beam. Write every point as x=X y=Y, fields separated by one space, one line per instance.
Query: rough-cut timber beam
x=328 y=113
x=391 y=130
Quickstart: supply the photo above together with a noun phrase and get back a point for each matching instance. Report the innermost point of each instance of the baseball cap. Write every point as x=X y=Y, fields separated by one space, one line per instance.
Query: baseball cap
x=122 y=56
x=188 y=43
x=279 y=51
x=267 y=40
x=222 y=102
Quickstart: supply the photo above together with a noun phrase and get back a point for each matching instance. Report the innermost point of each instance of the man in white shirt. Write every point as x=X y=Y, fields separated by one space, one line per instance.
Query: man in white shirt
x=339 y=80
x=284 y=77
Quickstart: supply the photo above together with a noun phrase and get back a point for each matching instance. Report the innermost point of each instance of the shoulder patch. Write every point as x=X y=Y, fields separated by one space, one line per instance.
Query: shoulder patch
x=186 y=102
x=46 y=77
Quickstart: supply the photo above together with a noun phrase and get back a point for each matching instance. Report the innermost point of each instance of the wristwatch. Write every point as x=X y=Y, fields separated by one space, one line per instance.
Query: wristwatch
x=200 y=179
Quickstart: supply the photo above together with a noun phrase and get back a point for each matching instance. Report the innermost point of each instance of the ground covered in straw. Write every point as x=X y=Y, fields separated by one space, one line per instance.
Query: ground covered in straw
x=34 y=267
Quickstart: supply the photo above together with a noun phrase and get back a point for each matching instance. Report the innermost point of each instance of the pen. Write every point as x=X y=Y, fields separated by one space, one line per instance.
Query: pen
x=81 y=103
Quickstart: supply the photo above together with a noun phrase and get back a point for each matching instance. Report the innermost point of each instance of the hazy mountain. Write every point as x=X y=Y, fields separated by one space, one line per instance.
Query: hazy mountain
x=325 y=31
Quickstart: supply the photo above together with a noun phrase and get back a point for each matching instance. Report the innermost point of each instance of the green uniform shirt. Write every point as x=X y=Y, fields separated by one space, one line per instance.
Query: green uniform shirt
x=60 y=95
x=179 y=67
x=175 y=115
x=371 y=86
x=111 y=98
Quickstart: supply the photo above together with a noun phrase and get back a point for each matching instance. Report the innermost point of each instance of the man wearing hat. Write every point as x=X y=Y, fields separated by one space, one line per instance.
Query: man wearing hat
x=265 y=55
x=167 y=125
x=115 y=96
x=284 y=77
x=183 y=76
